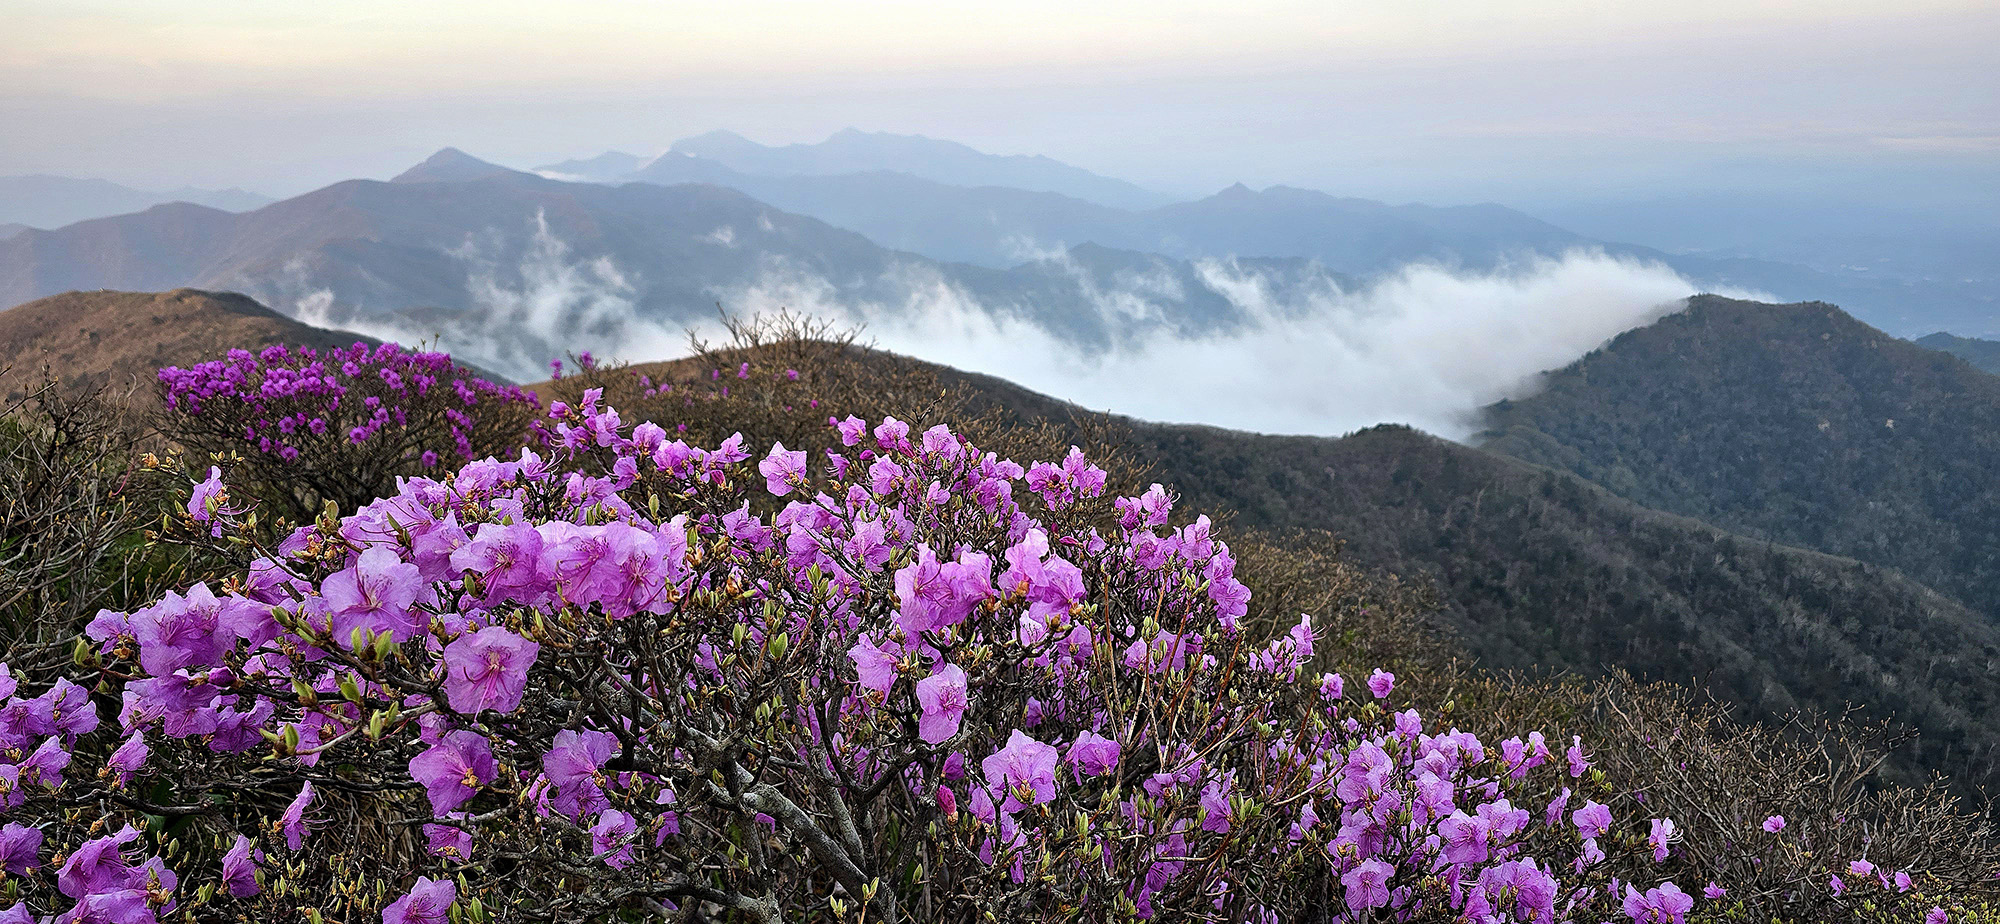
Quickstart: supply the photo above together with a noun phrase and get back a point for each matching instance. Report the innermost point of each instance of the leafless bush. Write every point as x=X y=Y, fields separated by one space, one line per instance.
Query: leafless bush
x=70 y=512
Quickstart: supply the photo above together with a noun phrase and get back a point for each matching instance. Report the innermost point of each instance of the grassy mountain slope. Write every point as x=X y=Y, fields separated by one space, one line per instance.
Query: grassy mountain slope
x=114 y=338
x=1794 y=423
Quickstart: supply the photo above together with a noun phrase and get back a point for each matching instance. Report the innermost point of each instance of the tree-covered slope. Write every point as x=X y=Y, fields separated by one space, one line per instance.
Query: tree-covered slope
x=1984 y=355
x=1795 y=423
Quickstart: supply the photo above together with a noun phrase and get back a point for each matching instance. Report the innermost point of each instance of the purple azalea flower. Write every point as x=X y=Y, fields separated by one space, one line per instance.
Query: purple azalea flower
x=118 y=906
x=611 y=838
x=487 y=669
x=877 y=667
x=427 y=902
x=1664 y=905
x=1592 y=820
x=942 y=696
x=507 y=558
x=70 y=708
x=98 y=866
x=1216 y=813
x=1577 y=762
x=572 y=767
x=1464 y=837
x=239 y=868
x=208 y=497
x=453 y=769
x=1093 y=754
x=870 y=544
x=1380 y=683
x=851 y=430
x=783 y=469
x=1663 y=834
x=448 y=840
x=1025 y=770
x=293 y=822
x=1367 y=885
x=181 y=632
x=376 y=594
x=19 y=914
x=20 y=849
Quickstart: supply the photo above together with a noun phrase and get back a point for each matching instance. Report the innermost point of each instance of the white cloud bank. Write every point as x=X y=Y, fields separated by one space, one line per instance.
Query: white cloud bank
x=1425 y=346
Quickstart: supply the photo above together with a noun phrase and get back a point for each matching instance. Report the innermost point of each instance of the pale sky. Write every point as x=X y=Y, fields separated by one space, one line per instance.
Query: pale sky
x=1444 y=100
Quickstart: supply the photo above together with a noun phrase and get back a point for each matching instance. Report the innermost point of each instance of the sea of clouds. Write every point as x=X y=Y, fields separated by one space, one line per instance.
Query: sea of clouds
x=1427 y=345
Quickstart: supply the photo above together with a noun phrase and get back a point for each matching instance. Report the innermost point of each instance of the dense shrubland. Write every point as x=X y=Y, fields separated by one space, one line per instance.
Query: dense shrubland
x=644 y=671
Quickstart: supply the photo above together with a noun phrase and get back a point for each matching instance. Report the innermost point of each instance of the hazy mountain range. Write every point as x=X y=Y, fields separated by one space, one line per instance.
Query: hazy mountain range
x=53 y=201
x=1907 y=272
x=513 y=269
x=947 y=162
x=875 y=225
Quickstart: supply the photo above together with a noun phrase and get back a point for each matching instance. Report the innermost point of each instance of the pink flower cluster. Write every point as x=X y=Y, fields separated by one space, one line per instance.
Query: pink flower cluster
x=287 y=398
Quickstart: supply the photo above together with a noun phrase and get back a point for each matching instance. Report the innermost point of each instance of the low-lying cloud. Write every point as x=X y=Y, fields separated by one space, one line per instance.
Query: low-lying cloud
x=1426 y=345
x=546 y=305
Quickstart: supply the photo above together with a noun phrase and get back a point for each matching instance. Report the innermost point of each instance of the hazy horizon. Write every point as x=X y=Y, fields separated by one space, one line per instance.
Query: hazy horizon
x=1539 y=105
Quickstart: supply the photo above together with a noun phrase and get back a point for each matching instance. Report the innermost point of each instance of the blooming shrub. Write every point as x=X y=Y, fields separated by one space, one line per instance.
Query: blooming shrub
x=341 y=425
x=773 y=377
x=619 y=680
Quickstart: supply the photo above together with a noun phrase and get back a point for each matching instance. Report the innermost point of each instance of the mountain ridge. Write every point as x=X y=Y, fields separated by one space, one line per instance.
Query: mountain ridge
x=46 y=201
x=852 y=150
x=1984 y=355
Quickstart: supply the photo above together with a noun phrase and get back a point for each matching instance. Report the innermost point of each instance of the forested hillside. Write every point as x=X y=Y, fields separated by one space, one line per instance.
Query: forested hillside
x=1982 y=354
x=1793 y=423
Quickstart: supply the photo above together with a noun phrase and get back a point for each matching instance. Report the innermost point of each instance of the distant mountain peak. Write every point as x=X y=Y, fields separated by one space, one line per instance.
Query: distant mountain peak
x=608 y=167
x=852 y=150
x=450 y=165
